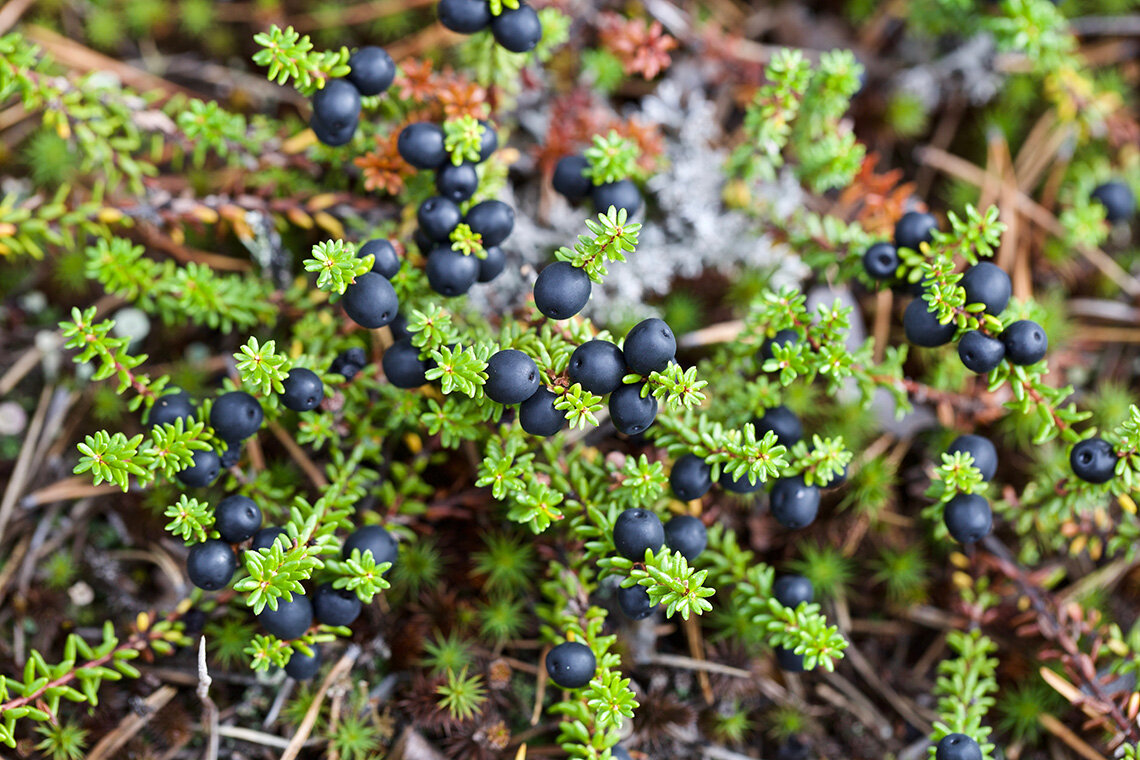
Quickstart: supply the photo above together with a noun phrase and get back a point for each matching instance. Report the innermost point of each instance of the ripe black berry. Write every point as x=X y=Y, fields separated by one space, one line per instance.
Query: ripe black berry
x=204 y=470
x=301 y=666
x=304 y=390
x=371 y=70
x=686 y=534
x=788 y=661
x=457 y=183
x=237 y=518
x=914 y=228
x=403 y=366
x=372 y=538
x=490 y=140
x=211 y=564
x=649 y=346
x=437 y=217
x=783 y=422
x=493 y=220
x=422 y=241
x=518 y=29
x=968 y=518
x=348 y=362
x=493 y=264
x=421 y=145
x=792 y=590
x=632 y=414
x=957 y=747
x=451 y=273
x=561 y=290
x=571 y=664
x=981 y=449
x=690 y=477
x=538 y=416
x=371 y=301
x=231 y=455
x=1093 y=460
x=236 y=416
x=336 y=106
x=634 y=602
x=741 y=485
x=385 y=261
x=464 y=16
x=332 y=137
x=794 y=504
x=170 y=408
x=598 y=366
x=922 y=326
x=979 y=352
x=635 y=531
x=622 y=194
x=512 y=377
x=781 y=338
x=290 y=620
x=1025 y=342
x=987 y=283
x=264 y=538
x=1118 y=201
x=335 y=606
x=881 y=261
x=569 y=179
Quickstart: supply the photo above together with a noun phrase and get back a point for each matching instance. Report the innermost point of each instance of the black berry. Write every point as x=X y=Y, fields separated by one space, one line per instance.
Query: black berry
x=490 y=140
x=690 y=478
x=371 y=70
x=371 y=301
x=385 y=260
x=1093 y=460
x=571 y=664
x=1025 y=342
x=634 y=602
x=881 y=261
x=335 y=606
x=781 y=338
x=399 y=328
x=237 y=518
x=403 y=366
x=538 y=416
x=301 y=666
x=922 y=326
x=304 y=390
x=236 y=416
x=336 y=106
x=981 y=449
x=957 y=747
x=788 y=661
x=1118 y=201
x=518 y=29
x=561 y=290
x=569 y=179
x=598 y=366
x=686 y=534
x=264 y=538
x=632 y=414
x=649 y=346
x=792 y=590
x=635 y=531
x=979 y=352
x=231 y=455
x=464 y=16
x=987 y=283
x=493 y=220
x=290 y=620
x=332 y=137
x=450 y=273
x=622 y=194
x=794 y=504
x=913 y=228
x=170 y=408
x=203 y=471
x=437 y=217
x=348 y=362
x=968 y=518
x=783 y=422
x=211 y=564
x=493 y=264
x=421 y=145
x=374 y=539
x=512 y=377
x=457 y=183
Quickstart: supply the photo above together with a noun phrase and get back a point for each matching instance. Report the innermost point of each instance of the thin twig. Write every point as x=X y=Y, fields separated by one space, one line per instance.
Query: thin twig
x=343 y=665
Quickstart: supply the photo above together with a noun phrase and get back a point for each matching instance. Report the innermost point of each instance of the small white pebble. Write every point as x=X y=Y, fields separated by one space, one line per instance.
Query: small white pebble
x=81 y=594
x=13 y=418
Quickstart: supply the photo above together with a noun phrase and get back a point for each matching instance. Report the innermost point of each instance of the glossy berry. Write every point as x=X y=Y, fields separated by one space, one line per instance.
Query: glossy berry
x=788 y=661
x=741 y=485
x=968 y=518
x=1118 y=201
x=493 y=220
x=571 y=664
x=449 y=272
x=464 y=16
x=561 y=290
x=348 y=362
x=203 y=471
x=422 y=241
x=881 y=261
x=290 y=620
x=385 y=260
x=1025 y=342
x=981 y=449
x=371 y=69
x=783 y=422
x=794 y=504
x=304 y=390
x=374 y=539
x=437 y=217
x=371 y=301
x=690 y=477
x=913 y=228
x=635 y=531
x=169 y=408
x=979 y=352
x=1093 y=460
x=922 y=326
x=336 y=106
x=538 y=416
x=598 y=366
x=518 y=29
x=334 y=138
x=421 y=145
x=686 y=534
x=490 y=141
x=622 y=194
x=301 y=666
x=569 y=179
x=987 y=283
x=457 y=183
x=399 y=328
x=781 y=338
x=211 y=564
x=403 y=366
x=236 y=416
x=335 y=606
x=632 y=414
x=264 y=538
x=957 y=747
x=493 y=264
x=512 y=377
x=634 y=602
x=237 y=518
x=230 y=456
x=792 y=590
x=649 y=346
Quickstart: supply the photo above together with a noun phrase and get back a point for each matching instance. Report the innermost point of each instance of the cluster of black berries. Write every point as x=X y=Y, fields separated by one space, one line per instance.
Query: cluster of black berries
x=234 y=417
x=370 y=300
x=516 y=29
x=451 y=272
x=571 y=181
x=336 y=106
x=636 y=530
x=968 y=516
x=1118 y=201
x=792 y=591
x=881 y=261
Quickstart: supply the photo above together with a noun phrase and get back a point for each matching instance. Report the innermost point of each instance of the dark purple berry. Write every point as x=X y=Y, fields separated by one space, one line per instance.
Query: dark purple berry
x=649 y=346
x=686 y=534
x=981 y=449
x=1118 y=201
x=793 y=590
x=914 y=228
x=794 y=504
x=740 y=485
x=783 y=422
x=569 y=179
x=290 y=620
x=634 y=602
x=968 y=518
x=437 y=217
x=538 y=416
x=571 y=665
x=371 y=69
x=490 y=140
x=988 y=284
x=336 y=106
x=622 y=194
x=1025 y=342
x=334 y=138
x=464 y=16
x=512 y=377
x=517 y=29
x=304 y=390
x=264 y=538
x=957 y=747
x=385 y=260
x=637 y=530
x=374 y=539
x=403 y=366
x=237 y=518
x=881 y=261
x=788 y=661
x=493 y=220
x=203 y=471
x=169 y=408
x=690 y=478
x=632 y=414
x=598 y=366
x=979 y=352
x=421 y=144
x=493 y=264
x=451 y=273
x=335 y=606
x=1093 y=460
x=211 y=564
x=371 y=301
x=457 y=183
x=922 y=326
x=236 y=416
x=781 y=338
x=348 y=362
x=561 y=290
x=301 y=666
